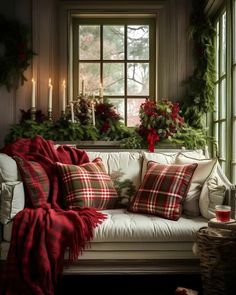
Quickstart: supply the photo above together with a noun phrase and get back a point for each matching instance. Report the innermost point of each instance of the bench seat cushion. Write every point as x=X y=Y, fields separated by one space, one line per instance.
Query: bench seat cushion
x=123 y=226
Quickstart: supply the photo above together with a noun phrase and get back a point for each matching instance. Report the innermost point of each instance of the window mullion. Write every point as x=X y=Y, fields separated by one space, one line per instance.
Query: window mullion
x=101 y=54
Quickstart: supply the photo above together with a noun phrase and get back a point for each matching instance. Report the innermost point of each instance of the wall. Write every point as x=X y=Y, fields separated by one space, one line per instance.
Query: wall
x=175 y=50
x=48 y=21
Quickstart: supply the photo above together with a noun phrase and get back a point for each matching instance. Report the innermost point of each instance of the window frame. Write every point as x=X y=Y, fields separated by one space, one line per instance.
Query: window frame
x=148 y=19
x=219 y=119
x=230 y=106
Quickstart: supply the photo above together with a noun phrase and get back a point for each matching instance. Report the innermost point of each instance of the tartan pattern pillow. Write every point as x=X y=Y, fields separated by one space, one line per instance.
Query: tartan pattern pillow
x=163 y=190
x=87 y=185
x=36 y=181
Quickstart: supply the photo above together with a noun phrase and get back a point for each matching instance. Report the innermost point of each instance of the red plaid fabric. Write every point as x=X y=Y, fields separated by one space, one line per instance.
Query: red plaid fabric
x=163 y=190
x=87 y=185
x=41 y=235
x=35 y=180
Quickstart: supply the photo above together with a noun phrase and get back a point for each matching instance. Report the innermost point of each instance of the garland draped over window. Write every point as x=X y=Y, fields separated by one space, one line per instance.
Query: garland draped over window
x=200 y=97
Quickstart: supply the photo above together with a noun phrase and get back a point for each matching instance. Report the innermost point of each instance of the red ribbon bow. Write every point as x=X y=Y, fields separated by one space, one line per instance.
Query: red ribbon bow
x=152 y=138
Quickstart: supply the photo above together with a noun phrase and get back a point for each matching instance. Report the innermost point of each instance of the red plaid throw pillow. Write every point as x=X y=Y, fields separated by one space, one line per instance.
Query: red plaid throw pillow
x=163 y=190
x=87 y=185
x=36 y=181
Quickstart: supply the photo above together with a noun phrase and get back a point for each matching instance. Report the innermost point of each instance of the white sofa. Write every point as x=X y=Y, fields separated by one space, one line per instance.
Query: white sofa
x=128 y=242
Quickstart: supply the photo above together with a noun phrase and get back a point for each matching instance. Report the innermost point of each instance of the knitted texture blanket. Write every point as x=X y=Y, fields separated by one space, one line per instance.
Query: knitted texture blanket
x=44 y=230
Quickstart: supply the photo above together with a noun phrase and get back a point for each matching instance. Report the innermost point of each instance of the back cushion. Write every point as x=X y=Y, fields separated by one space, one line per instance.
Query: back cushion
x=87 y=184
x=204 y=169
x=12 y=200
x=159 y=157
x=8 y=169
x=163 y=190
x=36 y=182
x=124 y=169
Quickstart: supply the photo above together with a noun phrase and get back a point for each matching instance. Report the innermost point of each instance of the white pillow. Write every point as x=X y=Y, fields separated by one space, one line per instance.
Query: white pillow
x=8 y=169
x=212 y=194
x=124 y=169
x=159 y=157
x=191 y=203
x=196 y=154
x=12 y=200
x=206 y=167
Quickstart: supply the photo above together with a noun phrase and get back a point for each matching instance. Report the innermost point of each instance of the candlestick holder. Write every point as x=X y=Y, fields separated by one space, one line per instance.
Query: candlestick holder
x=33 y=113
x=49 y=115
x=63 y=114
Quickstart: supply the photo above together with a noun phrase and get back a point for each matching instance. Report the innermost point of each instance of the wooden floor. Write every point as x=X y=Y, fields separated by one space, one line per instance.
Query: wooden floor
x=128 y=284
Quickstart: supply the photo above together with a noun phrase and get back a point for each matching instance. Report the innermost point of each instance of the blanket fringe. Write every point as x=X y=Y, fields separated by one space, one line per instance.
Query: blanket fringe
x=87 y=219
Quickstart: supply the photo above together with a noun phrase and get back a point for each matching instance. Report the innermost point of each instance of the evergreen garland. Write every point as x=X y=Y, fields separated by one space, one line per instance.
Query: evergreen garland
x=199 y=97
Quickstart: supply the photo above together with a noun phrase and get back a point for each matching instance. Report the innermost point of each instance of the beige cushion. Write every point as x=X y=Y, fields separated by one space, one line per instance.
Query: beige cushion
x=12 y=200
x=8 y=169
x=212 y=194
x=159 y=157
x=196 y=154
x=205 y=168
x=191 y=203
x=124 y=169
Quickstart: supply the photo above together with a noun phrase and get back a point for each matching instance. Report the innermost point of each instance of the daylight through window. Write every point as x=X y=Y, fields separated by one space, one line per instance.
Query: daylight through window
x=115 y=57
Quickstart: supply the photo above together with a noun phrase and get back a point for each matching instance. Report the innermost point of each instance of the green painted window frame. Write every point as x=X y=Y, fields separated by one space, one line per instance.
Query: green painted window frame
x=220 y=115
x=228 y=138
x=128 y=20
x=233 y=92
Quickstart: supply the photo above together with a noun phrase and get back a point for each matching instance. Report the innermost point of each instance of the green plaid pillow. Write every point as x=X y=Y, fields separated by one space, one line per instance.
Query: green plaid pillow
x=87 y=185
x=36 y=182
x=163 y=190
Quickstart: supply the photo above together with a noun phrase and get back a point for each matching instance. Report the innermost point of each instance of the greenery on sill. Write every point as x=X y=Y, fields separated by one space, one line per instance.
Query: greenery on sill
x=64 y=130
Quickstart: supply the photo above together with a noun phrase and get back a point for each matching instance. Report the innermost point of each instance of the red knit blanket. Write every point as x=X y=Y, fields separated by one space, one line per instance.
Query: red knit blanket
x=40 y=236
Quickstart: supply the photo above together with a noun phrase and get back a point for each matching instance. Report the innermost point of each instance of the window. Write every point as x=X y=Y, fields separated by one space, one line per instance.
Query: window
x=219 y=119
x=234 y=95
x=224 y=118
x=115 y=57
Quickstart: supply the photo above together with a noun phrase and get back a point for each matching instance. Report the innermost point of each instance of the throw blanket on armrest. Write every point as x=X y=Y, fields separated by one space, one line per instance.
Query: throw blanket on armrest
x=41 y=235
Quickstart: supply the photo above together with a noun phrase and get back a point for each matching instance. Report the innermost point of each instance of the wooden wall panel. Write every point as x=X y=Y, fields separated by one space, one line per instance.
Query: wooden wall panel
x=174 y=63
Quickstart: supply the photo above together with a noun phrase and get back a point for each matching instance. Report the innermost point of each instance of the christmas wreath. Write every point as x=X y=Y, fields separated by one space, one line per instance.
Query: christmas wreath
x=15 y=54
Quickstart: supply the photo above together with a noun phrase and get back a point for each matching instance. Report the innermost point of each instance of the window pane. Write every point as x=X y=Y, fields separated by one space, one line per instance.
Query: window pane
x=89 y=42
x=222 y=138
x=216 y=136
x=216 y=113
x=234 y=174
x=113 y=42
x=217 y=50
x=223 y=99
x=234 y=91
x=113 y=78
x=119 y=105
x=223 y=44
x=138 y=42
x=138 y=79
x=234 y=32
x=90 y=73
x=133 y=106
x=234 y=142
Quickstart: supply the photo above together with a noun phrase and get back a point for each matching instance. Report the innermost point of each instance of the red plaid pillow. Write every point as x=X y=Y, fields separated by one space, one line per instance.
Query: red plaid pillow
x=87 y=185
x=36 y=181
x=163 y=190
